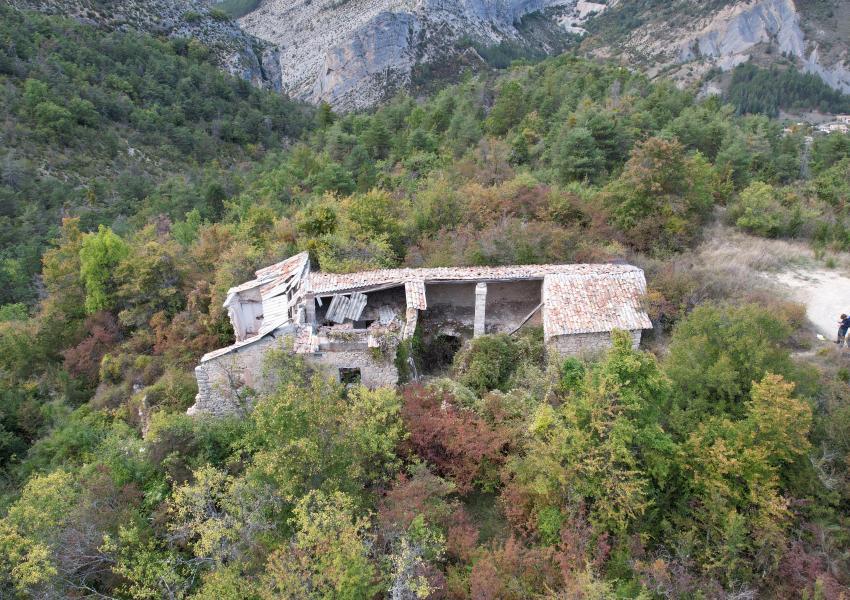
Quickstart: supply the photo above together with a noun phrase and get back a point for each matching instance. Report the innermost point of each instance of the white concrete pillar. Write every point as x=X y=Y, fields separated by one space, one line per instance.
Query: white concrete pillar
x=479 y=328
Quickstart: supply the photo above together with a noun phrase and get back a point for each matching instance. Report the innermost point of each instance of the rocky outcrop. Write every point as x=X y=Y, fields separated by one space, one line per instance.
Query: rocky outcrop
x=353 y=53
x=836 y=75
x=237 y=52
x=377 y=57
x=688 y=48
x=736 y=29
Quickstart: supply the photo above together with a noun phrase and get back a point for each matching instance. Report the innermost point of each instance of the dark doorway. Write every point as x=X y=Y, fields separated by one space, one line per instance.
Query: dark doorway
x=349 y=376
x=438 y=352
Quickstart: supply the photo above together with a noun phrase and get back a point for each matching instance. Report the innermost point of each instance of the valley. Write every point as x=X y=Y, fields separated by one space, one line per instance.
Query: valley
x=425 y=301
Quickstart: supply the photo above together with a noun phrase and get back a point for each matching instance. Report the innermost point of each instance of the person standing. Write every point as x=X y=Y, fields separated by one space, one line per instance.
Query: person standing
x=843 y=326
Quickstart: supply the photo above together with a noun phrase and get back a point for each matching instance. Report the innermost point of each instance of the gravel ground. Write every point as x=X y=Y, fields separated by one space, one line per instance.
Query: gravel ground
x=825 y=294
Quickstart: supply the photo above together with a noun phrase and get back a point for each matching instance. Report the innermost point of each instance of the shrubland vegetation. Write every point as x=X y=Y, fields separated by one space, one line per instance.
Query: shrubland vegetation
x=716 y=467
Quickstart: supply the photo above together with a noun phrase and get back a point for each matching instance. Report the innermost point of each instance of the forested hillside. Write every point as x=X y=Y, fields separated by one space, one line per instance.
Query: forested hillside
x=767 y=91
x=94 y=123
x=139 y=184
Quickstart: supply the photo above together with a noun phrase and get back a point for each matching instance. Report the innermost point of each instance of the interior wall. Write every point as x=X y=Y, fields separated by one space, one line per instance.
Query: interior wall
x=450 y=294
x=508 y=303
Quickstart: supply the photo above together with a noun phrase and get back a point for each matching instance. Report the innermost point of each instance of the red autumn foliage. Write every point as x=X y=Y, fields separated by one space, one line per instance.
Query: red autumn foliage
x=423 y=493
x=461 y=536
x=514 y=572
x=190 y=333
x=804 y=569
x=579 y=549
x=518 y=509
x=83 y=360
x=459 y=443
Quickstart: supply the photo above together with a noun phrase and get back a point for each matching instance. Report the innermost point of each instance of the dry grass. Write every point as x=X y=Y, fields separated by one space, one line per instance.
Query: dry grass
x=730 y=266
x=726 y=248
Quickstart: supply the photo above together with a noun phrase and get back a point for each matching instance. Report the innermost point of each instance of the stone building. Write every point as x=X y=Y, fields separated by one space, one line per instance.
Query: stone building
x=350 y=325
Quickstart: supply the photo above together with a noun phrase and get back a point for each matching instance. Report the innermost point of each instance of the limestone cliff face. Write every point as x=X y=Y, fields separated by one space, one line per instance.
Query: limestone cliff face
x=356 y=53
x=238 y=52
x=734 y=30
x=353 y=53
x=686 y=48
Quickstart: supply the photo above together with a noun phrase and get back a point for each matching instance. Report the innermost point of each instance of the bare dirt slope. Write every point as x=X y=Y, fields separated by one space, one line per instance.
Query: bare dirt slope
x=731 y=264
x=824 y=292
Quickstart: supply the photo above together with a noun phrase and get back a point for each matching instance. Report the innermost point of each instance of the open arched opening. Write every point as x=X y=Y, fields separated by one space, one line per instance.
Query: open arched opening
x=438 y=352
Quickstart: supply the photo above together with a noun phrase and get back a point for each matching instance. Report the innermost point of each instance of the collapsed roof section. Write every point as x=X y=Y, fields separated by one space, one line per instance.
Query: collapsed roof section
x=576 y=299
x=262 y=305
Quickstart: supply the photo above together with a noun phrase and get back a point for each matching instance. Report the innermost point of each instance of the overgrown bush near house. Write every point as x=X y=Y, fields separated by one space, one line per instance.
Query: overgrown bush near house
x=486 y=363
x=321 y=437
x=662 y=197
x=174 y=392
x=461 y=445
x=605 y=447
x=718 y=351
x=424 y=497
x=181 y=444
x=764 y=210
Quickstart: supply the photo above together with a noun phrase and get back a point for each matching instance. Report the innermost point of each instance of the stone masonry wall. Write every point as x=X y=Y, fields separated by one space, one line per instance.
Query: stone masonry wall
x=581 y=343
x=373 y=373
x=225 y=383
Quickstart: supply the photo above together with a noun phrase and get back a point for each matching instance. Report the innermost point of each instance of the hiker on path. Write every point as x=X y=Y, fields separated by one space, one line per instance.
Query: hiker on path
x=843 y=326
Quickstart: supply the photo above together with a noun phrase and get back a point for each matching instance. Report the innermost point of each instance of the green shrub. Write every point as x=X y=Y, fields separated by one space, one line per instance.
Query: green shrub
x=487 y=363
x=570 y=375
x=549 y=522
x=759 y=211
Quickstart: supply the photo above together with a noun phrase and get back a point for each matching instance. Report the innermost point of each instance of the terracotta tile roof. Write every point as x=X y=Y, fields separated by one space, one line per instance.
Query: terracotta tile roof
x=593 y=302
x=332 y=283
x=576 y=298
x=414 y=292
x=275 y=275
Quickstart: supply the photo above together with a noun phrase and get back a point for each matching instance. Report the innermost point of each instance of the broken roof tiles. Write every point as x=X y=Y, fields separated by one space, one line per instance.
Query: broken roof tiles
x=593 y=302
x=414 y=292
x=326 y=284
x=576 y=298
x=272 y=277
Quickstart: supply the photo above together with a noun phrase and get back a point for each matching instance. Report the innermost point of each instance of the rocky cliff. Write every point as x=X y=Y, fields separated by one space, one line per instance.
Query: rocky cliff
x=237 y=51
x=356 y=53
x=686 y=39
x=352 y=53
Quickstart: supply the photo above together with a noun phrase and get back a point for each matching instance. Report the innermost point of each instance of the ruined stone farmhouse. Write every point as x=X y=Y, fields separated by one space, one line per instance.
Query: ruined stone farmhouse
x=351 y=325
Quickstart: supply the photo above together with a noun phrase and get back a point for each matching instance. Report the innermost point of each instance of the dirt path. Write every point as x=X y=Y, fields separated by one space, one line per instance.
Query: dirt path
x=825 y=294
x=786 y=267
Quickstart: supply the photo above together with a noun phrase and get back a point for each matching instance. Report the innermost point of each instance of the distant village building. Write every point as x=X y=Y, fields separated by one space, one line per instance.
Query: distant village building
x=351 y=325
x=839 y=124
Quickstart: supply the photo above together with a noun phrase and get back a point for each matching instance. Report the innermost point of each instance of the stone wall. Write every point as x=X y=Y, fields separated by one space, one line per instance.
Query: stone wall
x=581 y=343
x=374 y=372
x=226 y=384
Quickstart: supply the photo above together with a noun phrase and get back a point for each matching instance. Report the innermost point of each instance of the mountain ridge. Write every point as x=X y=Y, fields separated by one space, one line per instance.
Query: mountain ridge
x=355 y=54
